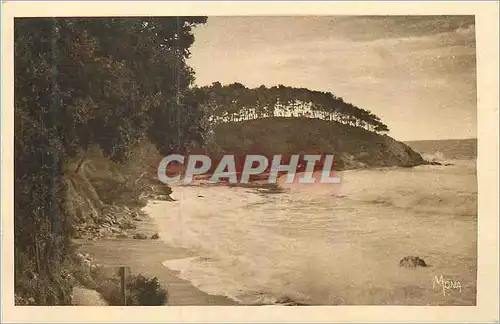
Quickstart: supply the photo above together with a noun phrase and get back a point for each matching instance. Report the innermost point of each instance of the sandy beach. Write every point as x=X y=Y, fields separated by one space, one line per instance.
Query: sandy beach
x=146 y=257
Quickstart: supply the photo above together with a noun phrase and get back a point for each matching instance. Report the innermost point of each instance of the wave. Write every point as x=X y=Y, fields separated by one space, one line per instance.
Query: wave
x=197 y=269
x=434 y=157
x=316 y=245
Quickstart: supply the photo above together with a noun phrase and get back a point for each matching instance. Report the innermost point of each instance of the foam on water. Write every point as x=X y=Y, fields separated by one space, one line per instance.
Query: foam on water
x=317 y=246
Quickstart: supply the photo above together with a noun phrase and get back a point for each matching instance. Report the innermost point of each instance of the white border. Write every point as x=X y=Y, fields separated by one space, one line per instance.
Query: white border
x=486 y=13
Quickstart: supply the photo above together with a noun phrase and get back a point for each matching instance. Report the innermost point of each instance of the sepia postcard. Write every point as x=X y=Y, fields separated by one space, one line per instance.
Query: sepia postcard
x=250 y=161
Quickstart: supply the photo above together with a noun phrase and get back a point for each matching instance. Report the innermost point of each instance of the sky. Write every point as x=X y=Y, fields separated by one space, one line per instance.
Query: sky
x=417 y=73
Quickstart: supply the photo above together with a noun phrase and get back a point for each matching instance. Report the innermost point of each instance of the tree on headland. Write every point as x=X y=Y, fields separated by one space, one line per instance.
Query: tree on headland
x=235 y=102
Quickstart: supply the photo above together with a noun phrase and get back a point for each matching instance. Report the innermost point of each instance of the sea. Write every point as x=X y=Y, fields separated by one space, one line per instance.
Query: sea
x=338 y=245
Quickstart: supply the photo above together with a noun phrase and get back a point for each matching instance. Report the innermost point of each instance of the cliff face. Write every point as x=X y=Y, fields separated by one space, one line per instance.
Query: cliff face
x=353 y=147
x=102 y=202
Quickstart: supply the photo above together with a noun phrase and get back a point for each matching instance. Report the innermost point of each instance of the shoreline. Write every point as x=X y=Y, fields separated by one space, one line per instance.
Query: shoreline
x=146 y=257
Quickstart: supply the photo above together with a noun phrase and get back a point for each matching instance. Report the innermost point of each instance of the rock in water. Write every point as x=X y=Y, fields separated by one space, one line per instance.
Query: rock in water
x=155 y=236
x=412 y=262
x=287 y=301
x=140 y=236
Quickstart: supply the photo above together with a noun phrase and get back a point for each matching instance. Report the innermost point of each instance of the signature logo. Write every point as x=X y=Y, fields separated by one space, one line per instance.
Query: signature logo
x=446 y=284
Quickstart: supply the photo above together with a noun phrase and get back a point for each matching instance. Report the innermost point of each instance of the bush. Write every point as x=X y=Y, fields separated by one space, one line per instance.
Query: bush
x=33 y=287
x=146 y=292
x=140 y=290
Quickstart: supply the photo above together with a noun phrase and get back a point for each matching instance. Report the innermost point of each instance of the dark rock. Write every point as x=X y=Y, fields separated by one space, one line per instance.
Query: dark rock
x=294 y=304
x=105 y=232
x=283 y=300
x=412 y=262
x=287 y=301
x=122 y=236
x=162 y=197
x=155 y=236
x=128 y=225
x=140 y=236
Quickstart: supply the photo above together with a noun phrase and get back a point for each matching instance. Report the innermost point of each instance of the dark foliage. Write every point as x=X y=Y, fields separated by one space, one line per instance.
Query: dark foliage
x=235 y=102
x=106 y=82
x=140 y=290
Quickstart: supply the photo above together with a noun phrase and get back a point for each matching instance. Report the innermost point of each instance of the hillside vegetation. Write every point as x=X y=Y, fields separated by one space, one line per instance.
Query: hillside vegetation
x=235 y=102
x=81 y=83
x=353 y=147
